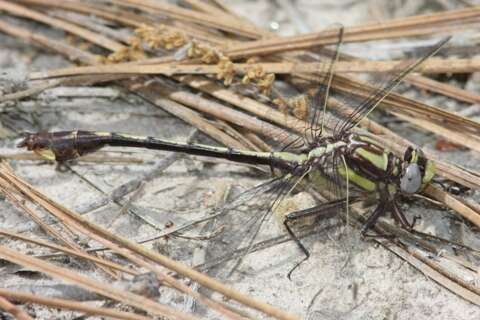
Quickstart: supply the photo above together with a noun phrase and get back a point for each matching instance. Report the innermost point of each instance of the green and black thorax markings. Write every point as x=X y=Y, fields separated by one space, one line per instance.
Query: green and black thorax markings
x=368 y=163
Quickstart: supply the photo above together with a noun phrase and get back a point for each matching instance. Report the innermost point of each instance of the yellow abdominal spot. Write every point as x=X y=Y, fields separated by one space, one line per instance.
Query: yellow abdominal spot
x=107 y=134
x=47 y=154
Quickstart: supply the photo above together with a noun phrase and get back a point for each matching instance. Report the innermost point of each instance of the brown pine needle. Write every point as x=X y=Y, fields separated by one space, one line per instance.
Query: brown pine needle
x=455 y=204
x=69 y=305
x=182 y=14
x=434 y=272
x=397 y=28
x=35 y=15
x=70 y=252
x=444 y=88
x=9 y=307
x=433 y=65
x=90 y=284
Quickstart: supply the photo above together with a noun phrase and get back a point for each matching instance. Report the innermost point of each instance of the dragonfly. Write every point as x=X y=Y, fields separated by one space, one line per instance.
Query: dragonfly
x=344 y=155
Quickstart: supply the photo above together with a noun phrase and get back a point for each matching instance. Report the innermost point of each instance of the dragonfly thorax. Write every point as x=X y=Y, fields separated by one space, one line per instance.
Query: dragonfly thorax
x=325 y=150
x=368 y=164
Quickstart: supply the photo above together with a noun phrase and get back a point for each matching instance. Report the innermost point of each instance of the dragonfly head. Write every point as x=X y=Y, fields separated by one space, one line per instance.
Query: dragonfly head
x=417 y=171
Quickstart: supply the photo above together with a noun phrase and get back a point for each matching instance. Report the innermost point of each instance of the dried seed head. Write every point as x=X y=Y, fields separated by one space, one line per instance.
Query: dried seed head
x=125 y=54
x=256 y=74
x=298 y=105
x=205 y=53
x=161 y=37
x=227 y=70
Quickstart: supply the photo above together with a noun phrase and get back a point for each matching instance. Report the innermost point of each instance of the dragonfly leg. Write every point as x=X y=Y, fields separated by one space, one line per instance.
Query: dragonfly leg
x=372 y=219
x=399 y=216
x=326 y=210
x=299 y=244
x=388 y=204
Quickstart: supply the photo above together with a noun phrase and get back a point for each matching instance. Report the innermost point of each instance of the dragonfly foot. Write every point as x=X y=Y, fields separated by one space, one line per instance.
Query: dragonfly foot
x=414 y=222
x=289 y=274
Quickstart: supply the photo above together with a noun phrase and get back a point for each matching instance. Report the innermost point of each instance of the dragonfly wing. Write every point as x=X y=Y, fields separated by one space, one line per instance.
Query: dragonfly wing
x=322 y=93
x=372 y=96
x=305 y=113
x=241 y=221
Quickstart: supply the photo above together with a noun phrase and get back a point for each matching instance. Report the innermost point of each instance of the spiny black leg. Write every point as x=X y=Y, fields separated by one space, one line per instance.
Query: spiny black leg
x=325 y=209
x=415 y=219
x=299 y=244
x=372 y=219
x=399 y=216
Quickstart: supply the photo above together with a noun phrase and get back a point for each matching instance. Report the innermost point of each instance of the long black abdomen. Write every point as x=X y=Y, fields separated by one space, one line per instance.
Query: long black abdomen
x=67 y=145
x=193 y=149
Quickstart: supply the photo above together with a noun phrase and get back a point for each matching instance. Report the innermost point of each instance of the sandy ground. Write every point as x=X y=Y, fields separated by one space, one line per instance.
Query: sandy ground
x=345 y=278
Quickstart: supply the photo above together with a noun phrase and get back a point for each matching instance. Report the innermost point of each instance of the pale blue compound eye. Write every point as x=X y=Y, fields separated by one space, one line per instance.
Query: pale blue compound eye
x=411 y=181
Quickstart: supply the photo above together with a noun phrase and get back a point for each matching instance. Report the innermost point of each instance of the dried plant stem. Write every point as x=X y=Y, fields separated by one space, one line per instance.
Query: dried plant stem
x=30 y=91
x=433 y=65
x=69 y=27
x=407 y=106
x=435 y=273
x=16 y=199
x=90 y=284
x=73 y=53
x=175 y=12
x=431 y=85
x=189 y=116
x=402 y=27
x=119 y=16
x=472 y=141
x=66 y=250
x=109 y=13
x=452 y=202
x=9 y=307
x=225 y=13
x=70 y=305
x=444 y=88
x=207 y=8
x=247 y=104
x=171 y=107
x=220 y=111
